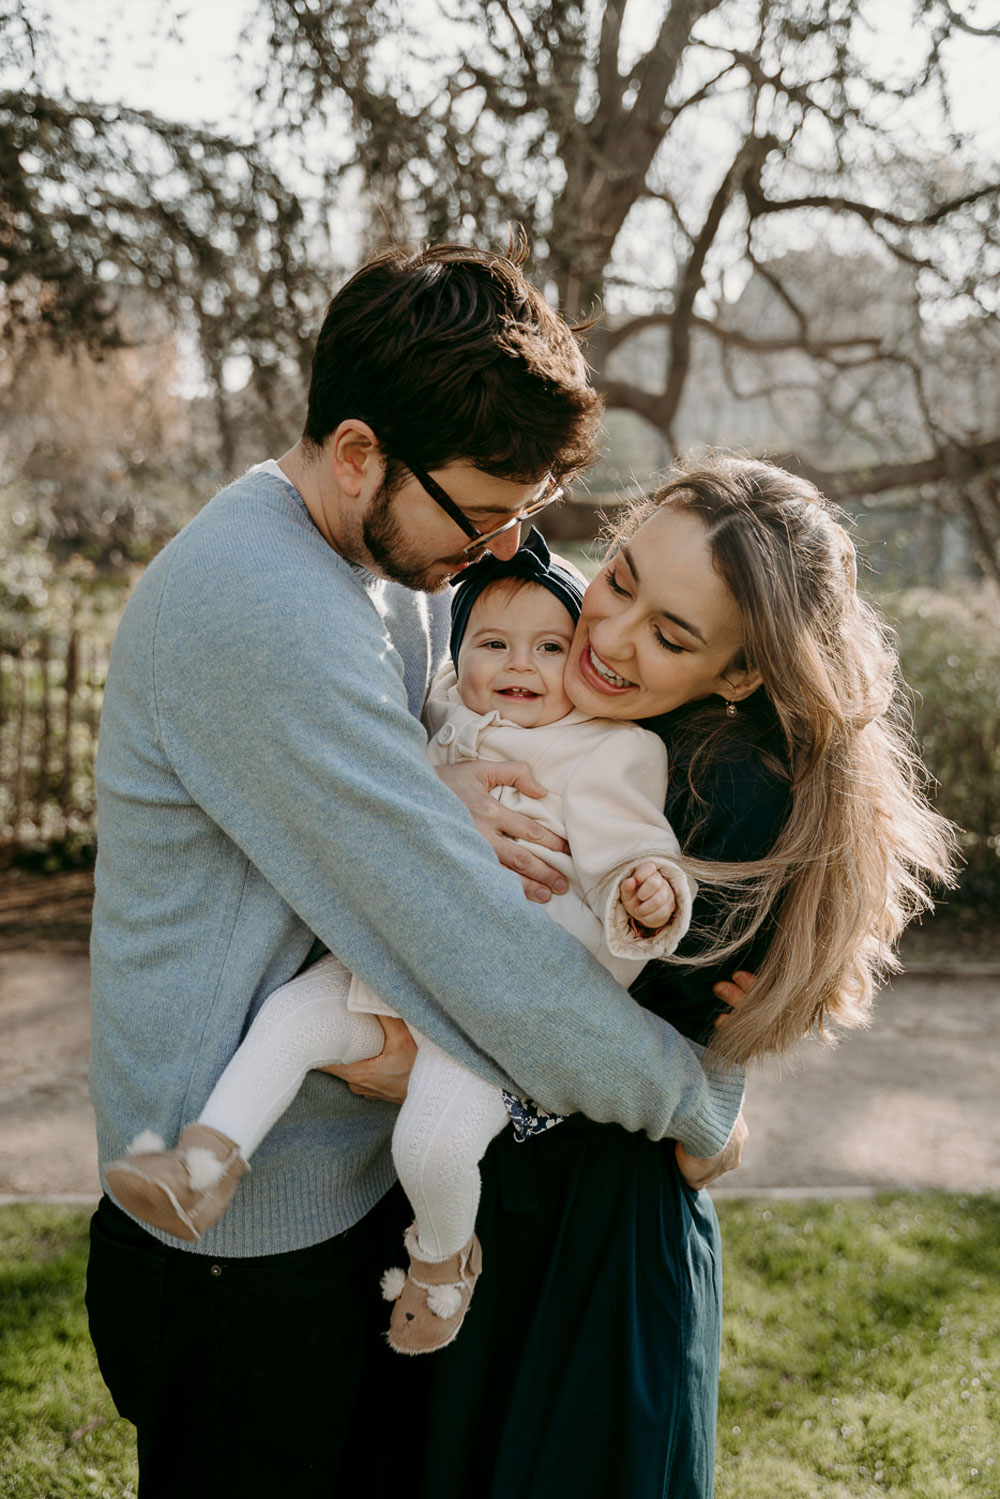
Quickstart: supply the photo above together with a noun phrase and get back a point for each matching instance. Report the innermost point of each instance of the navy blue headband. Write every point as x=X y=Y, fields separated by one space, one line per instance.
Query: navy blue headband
x=532 y=562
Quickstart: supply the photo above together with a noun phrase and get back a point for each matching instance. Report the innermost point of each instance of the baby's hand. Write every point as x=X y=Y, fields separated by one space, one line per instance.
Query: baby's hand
x=648 y=897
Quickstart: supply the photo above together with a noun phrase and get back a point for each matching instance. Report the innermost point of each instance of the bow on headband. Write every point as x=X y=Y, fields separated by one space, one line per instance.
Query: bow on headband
x=533 y=562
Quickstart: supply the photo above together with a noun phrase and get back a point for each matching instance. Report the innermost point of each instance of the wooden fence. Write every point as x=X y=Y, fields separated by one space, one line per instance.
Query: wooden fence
x=51 y=682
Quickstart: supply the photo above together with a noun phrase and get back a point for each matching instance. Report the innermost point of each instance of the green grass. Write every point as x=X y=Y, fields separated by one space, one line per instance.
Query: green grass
x=861 y=1352
x=861 y=1357
x=59 y=1434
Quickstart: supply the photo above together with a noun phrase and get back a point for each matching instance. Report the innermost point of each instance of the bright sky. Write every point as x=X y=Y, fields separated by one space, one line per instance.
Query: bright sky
x=178 y=59
x=174 y=59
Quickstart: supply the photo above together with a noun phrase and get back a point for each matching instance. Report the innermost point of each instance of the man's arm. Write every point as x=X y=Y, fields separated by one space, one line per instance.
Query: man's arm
x=288 y=724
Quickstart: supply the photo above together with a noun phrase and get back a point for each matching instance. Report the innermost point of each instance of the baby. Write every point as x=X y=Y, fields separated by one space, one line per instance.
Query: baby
x=512 y=624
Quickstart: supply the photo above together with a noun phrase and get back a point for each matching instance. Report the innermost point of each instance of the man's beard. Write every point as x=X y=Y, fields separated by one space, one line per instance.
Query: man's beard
x=392 y=552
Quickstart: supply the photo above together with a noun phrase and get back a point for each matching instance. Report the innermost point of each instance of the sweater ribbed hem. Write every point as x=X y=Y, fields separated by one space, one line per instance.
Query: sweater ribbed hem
x=276 y=1211
x=705 y=1127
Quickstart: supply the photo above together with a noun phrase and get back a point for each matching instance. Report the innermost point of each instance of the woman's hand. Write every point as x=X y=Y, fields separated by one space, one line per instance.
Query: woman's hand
x=472 y=781
x=698 y=1171
x=386 y=1076
x=734 y=991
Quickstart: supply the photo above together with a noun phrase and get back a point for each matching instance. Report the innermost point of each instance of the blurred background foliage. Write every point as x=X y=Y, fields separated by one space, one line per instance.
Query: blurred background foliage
x=950 y=648
x=782 y=212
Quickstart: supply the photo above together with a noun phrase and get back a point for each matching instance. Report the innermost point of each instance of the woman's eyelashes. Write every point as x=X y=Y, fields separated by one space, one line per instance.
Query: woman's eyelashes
x=623 y=593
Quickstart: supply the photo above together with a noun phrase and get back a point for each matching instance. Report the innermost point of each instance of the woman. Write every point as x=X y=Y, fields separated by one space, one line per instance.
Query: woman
x=727 y=619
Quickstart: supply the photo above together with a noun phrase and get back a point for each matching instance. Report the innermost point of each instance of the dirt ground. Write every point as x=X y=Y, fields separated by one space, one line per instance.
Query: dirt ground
x=910 y=1103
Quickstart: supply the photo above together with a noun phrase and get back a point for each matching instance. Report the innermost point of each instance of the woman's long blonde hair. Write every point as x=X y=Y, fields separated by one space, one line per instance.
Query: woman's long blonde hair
x=860 y=844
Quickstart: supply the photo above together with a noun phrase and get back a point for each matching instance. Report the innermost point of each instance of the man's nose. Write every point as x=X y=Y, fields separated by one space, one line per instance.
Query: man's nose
x=506 y=544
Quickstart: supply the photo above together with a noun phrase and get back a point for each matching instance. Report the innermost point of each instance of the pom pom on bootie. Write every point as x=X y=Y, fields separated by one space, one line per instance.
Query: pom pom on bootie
x=392 y=1283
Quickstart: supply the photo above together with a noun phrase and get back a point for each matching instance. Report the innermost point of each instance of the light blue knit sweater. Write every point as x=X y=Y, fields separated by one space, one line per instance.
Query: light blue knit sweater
x=262 y=777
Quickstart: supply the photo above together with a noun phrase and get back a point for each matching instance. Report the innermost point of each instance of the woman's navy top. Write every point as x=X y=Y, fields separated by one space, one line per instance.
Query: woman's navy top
x=734 y=814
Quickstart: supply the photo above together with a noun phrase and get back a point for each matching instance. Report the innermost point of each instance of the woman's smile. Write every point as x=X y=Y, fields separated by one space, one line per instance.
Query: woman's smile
x=606 y=676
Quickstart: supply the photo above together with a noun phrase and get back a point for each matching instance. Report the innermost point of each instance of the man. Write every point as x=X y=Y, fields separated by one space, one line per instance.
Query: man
x=262 y=784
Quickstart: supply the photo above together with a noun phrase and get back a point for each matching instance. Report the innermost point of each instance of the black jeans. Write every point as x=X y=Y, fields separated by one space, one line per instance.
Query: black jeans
x=249 y=1377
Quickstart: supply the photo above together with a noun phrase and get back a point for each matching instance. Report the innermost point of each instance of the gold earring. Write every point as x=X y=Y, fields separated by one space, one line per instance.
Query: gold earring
x=730 y=709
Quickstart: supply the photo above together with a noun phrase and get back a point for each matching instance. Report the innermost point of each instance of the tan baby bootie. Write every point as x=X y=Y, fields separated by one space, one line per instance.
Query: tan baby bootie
x=432 y=1298
x=182 y=1191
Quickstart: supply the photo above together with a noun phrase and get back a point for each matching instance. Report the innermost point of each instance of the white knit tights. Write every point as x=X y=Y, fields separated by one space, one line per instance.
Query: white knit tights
x=448 y=1119
x=302 y=1025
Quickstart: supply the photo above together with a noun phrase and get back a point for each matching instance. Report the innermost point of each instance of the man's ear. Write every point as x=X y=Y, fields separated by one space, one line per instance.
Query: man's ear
x=736 y=685
x=352 y=447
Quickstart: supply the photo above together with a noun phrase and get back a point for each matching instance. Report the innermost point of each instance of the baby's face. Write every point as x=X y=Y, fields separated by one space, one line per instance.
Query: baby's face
x=513 y=655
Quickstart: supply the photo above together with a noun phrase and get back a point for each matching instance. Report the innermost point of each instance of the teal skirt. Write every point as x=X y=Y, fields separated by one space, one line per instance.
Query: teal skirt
x=588 y=1365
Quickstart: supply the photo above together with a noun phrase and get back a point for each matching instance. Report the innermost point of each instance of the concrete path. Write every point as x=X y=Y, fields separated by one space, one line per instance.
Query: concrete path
x=915 y=1102
x=46 y=1121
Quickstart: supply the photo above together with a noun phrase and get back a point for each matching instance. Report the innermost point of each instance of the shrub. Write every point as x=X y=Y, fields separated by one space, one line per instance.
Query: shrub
x=949 y=645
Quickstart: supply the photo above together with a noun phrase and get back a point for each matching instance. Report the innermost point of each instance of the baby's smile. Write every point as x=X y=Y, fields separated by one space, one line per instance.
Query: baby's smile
x=514 y=653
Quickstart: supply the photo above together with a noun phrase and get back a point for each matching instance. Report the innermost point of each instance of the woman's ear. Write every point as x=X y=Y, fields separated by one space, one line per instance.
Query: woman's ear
x=738 y=684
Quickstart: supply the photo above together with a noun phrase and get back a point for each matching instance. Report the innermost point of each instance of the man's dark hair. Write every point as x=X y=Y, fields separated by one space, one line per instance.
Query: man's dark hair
x=449 y=353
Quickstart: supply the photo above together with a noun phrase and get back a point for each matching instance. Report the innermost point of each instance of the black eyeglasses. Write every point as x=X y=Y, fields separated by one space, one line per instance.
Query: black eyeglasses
x=553 y=491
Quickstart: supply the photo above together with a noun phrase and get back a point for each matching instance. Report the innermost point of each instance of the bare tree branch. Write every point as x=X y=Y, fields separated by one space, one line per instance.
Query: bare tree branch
x=575 y=519
x=634 y=398
x=615 y=153
x=962 y=24
x=608 y=77
x=872 y=213
x=527 y=52
x=869 y=479
x=820 y=347
x=753 y=152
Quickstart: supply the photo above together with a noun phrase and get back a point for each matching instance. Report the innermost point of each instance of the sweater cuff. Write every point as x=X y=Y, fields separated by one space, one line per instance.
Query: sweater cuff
x=704 y=1128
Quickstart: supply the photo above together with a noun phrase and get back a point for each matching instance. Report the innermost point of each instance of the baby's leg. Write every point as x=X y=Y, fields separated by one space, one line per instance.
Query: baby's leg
x=302 y=1025
x=449 y=1117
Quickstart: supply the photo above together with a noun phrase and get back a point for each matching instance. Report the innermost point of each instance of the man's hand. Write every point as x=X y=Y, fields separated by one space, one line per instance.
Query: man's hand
x=648 y=897
x=472 y=781
x=698 y=1171
x=386 y=1076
